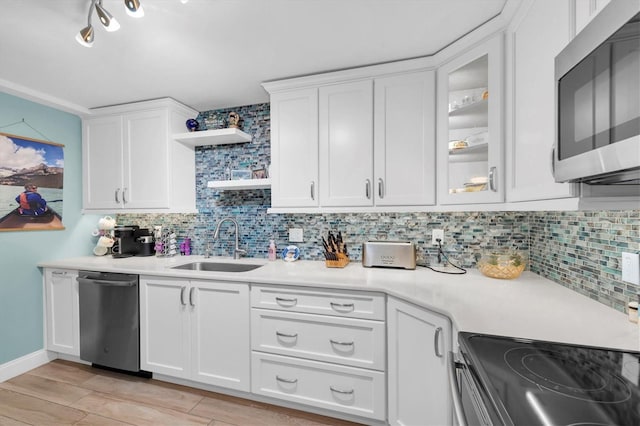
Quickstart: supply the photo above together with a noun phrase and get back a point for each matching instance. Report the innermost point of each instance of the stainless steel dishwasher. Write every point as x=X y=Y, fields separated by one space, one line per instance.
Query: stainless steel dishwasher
x=109 y=320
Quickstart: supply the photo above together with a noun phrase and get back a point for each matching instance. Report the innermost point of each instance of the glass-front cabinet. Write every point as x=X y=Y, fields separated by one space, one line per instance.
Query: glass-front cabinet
x=470 y=129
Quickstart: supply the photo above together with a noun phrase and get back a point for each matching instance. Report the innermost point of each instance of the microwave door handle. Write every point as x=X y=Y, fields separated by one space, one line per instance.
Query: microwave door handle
x=456 y=395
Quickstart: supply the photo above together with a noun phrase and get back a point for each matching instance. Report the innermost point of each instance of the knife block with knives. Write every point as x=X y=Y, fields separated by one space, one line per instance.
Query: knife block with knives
x=335 y=251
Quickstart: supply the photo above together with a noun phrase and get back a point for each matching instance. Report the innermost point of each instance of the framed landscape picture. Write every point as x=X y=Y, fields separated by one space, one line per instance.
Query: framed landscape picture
x=31 y=178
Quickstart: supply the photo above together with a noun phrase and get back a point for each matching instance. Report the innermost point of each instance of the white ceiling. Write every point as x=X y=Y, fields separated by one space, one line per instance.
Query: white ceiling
x=212 y=54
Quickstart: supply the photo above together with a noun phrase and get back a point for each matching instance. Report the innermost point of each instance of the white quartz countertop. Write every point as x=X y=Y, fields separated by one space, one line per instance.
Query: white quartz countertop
x=527 y=307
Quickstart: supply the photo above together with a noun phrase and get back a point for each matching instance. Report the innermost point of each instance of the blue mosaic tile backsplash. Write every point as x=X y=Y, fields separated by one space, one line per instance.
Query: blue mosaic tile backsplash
x=580 y=250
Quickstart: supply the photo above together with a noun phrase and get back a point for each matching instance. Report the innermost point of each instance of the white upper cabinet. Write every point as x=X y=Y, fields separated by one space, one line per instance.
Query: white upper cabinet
x=531 y=99
x=346 y=144
x=404 y=139
x=585 y=11
x=364 y=143
x=102 y=154
x=470 y=126
x=294 y=148
x=131 y=161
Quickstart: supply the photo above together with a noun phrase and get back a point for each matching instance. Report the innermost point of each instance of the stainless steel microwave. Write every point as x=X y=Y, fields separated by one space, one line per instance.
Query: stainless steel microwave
x=598 y=100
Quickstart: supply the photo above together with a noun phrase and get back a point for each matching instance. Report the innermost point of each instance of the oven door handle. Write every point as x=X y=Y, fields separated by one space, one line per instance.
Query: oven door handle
x=456 y=395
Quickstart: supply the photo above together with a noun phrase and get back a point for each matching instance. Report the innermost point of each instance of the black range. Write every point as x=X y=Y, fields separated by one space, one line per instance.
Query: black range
x=511 y=381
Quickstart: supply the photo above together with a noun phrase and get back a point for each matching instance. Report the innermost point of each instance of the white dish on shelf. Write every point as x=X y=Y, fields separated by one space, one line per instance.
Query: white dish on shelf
x=478 y=180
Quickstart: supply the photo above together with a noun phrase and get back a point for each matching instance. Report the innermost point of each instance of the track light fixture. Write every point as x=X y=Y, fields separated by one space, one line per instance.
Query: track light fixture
x=134 y=8
x=108 y=21
x=85 y=36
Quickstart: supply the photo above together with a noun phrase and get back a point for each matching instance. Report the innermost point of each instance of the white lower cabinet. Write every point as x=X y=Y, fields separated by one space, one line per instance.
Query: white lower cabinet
x=321 y=348
x=418 y=343
x=196 y=330
x=347 y=341
x=62 y=311
x=336 y=387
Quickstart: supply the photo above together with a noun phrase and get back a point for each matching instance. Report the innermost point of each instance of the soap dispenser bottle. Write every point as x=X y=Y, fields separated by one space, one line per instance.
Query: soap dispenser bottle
x=272 y=250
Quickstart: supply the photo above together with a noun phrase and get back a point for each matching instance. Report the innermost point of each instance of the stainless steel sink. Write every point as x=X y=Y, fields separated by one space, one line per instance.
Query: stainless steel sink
x=217 y=267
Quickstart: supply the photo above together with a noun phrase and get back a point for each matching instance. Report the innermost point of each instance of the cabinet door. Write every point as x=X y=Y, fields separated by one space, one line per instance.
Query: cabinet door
x=294 y=148
x=533 y=52
x=220 y=334
x=404 y=139
x=418 y=341
x=346 y=144
x=102 y=159
x=470 y=129
x=586 y=10
x=146 y=159
x=164 y=326
x=62 y=310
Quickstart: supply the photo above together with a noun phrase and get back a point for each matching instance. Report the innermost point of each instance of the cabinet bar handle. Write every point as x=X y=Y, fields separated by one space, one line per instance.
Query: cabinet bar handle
x=380 y=188
x=492 y=179
x=124 y=195
x=116 y=195
x=367 y=186
x=553 y=161
x=281 y=300
x=182 y=289
x=313 y=190
x=335 y=342
x=343 y=306
x=191 y=296
x=290 y=381
x=436 y=342
x=58 y=273
x=291 y=336
x=344 y=392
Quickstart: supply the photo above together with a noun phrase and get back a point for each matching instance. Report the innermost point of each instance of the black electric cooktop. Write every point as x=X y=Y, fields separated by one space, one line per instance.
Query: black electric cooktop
x=546 y=383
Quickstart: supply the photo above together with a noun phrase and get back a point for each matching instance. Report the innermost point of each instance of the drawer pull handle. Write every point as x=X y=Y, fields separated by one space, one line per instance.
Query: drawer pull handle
x=290 y=336
x=287 y=302
x=335 y=342
x=342 y=306
x=344 y=392
x=290 y=381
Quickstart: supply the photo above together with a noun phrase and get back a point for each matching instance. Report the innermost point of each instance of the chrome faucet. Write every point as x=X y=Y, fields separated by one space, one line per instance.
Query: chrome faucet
x=237 y=251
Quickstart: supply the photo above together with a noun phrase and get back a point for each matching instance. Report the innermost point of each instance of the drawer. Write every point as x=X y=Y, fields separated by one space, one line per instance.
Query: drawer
x=324 y=302
x=346 y=389
x=350 y=341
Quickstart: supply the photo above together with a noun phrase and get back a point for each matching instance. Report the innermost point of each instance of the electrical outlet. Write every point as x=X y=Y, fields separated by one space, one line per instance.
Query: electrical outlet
x=437 y=234
x=296 y=235
x=631 y=268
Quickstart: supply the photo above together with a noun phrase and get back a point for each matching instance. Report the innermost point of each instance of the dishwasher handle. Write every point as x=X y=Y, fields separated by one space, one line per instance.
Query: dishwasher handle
x=456 y=395
x=107 y=279
x=106 y=282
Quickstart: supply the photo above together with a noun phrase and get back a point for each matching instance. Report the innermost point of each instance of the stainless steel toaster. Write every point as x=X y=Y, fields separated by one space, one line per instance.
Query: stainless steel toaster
x=389 y=254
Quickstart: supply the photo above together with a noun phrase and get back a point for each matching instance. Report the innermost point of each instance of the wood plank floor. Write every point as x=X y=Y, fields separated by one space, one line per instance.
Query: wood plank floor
x=63 y=392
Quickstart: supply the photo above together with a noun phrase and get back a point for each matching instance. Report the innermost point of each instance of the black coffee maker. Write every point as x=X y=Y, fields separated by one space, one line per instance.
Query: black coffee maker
x=129 y=241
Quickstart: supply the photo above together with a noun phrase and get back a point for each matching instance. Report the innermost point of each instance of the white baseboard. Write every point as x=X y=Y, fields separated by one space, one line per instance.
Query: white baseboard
x=25 y=363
